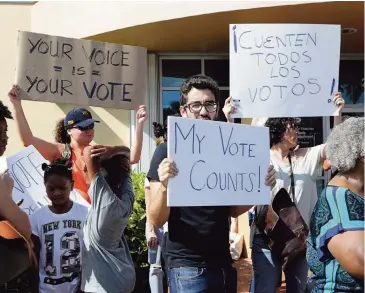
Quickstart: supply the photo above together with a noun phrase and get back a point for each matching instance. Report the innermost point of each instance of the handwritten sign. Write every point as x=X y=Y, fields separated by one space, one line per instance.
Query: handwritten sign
x=219 y=163
x=284 y=70
x=25 y=167
x=80 y=72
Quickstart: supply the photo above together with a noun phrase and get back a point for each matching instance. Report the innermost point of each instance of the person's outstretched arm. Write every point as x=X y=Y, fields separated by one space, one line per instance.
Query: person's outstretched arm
x=136 y=148
x=48 y=150
x=339 y=102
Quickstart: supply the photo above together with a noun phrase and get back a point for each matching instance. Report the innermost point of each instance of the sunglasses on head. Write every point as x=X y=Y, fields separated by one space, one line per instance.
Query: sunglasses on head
x=91 y=126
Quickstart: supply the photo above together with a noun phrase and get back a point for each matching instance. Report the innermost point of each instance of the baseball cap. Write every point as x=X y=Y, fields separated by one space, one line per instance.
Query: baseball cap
x=78 y=117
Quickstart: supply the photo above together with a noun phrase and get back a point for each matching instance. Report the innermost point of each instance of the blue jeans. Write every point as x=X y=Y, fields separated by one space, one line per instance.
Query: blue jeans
x=203 y=280
x=267 y=270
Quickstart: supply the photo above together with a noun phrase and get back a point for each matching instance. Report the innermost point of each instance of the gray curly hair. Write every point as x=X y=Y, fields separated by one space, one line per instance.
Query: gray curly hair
x=345 y=145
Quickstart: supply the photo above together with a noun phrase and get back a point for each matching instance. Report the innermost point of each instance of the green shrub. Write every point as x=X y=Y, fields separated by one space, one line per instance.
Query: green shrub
x=135 y=234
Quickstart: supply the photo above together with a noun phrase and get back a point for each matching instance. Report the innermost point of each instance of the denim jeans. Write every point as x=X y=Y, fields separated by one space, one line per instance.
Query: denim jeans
x=267 y=270
x=203 y=280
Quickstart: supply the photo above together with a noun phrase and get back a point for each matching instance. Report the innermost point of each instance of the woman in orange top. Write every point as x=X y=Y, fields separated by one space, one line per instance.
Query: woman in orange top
x=72 y=135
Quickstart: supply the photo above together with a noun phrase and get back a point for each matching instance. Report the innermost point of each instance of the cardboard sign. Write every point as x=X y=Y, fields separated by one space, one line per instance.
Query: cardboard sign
x=284 y=70
x=220 y=164
x=25 y=167
x=80 y=72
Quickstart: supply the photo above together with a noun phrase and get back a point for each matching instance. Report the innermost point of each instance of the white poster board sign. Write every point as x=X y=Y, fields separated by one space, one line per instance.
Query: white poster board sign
x=80 y=72
x=284 y=70
x=220 y=164
x=25 y=167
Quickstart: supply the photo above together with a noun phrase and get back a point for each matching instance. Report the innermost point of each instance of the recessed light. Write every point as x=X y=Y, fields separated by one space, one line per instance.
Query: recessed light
x=348 y=31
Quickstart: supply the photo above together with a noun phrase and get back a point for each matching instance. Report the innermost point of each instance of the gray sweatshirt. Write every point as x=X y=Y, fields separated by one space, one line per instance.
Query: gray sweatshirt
x=107 y=266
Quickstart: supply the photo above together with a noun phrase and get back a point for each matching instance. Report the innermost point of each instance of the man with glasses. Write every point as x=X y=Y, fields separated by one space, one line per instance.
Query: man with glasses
x=197 y=248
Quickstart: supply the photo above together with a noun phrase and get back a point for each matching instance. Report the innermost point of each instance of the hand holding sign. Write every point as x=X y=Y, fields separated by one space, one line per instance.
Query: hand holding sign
x=270 y=179
x=166 y=170
x=229 y=109
x=339 y=101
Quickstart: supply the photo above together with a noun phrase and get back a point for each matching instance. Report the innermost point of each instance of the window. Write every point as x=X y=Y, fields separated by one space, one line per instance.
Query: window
x=170 y=103
x=174 y=71
x=352 y=81
x=310 y=132
x=218 y=69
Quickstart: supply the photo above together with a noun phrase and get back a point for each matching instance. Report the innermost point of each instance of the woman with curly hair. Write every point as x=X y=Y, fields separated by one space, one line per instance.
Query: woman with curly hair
x=297 y=170
x=73 y=134
x=335 y=249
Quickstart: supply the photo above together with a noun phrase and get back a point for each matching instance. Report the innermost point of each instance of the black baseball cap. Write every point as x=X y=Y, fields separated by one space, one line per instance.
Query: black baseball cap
x=79 y=117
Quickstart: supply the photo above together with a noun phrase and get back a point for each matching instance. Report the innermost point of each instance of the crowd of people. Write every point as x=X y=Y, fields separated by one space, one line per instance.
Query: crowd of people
x=67 y=247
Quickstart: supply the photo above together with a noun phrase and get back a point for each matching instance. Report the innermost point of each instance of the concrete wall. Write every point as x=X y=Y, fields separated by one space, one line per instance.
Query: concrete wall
x=68 y=18
x=42 y=117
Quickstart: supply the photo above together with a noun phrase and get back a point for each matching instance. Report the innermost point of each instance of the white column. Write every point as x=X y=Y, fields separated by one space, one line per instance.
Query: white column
x=153 y=105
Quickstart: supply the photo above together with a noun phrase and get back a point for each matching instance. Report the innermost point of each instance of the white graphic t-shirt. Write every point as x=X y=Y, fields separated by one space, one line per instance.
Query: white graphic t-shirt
x=61 y=240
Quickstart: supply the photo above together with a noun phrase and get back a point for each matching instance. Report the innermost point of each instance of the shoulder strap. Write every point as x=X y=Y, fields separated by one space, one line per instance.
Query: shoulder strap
x=292 y=182
x=67 y=152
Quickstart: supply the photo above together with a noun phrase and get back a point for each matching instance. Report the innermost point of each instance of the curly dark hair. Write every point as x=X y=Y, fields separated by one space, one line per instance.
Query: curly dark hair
x=61 y=167
x=277 y=128
x=61 y=135
x=160 y=132
x=200 y=82
x=5 y=112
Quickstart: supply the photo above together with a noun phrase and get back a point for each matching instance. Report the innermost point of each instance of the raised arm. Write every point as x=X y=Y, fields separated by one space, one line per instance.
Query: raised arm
x=48 y=150
x=136 y=148
x=92 y=160
x=339 y=101
x=112 y=197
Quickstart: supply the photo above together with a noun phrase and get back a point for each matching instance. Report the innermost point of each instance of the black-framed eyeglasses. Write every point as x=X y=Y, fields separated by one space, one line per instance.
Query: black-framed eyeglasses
x=196 y=107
